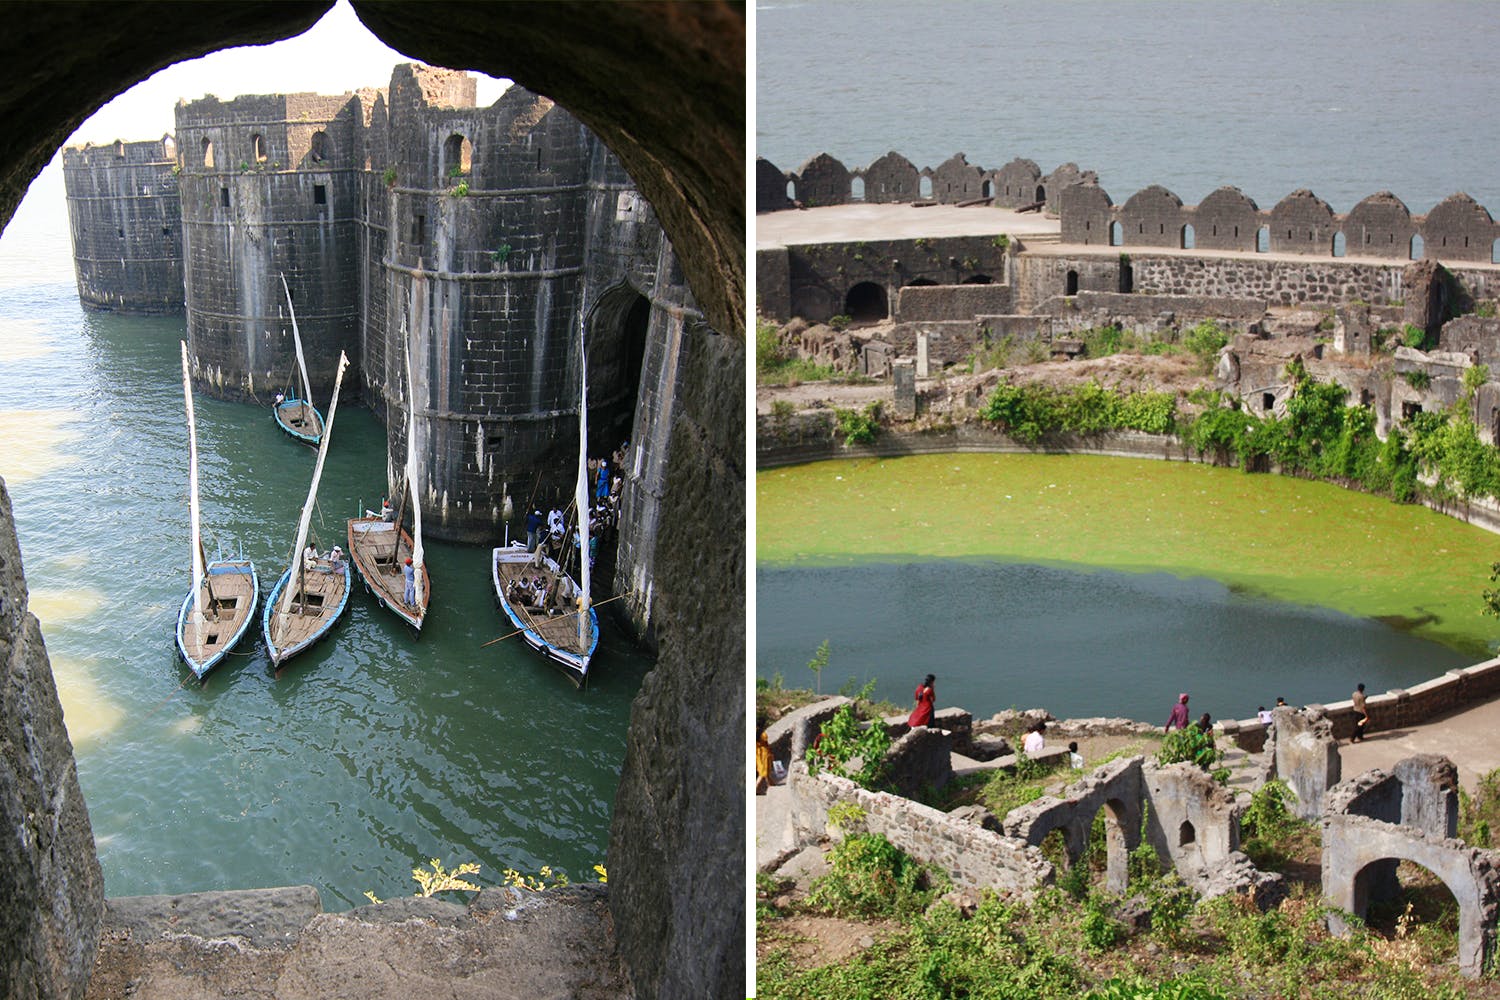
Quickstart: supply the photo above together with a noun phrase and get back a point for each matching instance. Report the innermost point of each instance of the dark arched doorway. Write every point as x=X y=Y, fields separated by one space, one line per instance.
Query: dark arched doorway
x=1070 y=283
x=866 y=303
x=615 y=341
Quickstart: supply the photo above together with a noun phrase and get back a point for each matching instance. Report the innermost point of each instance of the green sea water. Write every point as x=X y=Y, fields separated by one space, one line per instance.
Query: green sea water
x=374 y=751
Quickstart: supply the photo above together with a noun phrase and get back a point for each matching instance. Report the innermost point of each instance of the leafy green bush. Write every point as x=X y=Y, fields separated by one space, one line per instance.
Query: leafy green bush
x=1479 y=815
x=1026 y=412
x=840 y=321
x=1204 y=342
x=1193 y=745
x=1101 y=931
x=859 y=426
x=1139 y=989
x=846 y=740
x=871 y=877
x=1414 y=336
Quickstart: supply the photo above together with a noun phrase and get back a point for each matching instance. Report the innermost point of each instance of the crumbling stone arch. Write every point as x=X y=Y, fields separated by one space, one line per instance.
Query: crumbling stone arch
x=956 y=179
x=258 y=148
x=208 y=152
x=1359 y=859
x=1016 y=182
x=321 y=148
x=1115 y=789
x=458 y=158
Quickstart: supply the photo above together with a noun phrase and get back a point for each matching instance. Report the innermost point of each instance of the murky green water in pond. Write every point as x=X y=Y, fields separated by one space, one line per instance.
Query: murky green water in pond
x=375 y=750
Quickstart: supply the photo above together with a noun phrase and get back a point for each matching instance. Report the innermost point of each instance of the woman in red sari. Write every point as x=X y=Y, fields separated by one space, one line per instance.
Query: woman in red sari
x=922 y=714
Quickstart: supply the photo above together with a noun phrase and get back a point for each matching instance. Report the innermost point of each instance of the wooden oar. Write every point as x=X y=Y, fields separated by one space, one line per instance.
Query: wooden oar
x=570 y=614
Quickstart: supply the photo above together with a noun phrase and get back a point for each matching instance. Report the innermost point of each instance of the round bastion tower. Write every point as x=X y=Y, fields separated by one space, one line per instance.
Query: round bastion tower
x=479 y=242
x=126 y=226
x=270 y=187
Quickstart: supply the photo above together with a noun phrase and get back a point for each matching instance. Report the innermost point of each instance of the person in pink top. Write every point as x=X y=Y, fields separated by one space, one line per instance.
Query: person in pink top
x=1179 y=717
x=922 y=714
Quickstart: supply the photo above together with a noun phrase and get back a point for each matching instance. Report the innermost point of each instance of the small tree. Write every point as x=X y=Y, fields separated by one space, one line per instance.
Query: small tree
x=1492 y=595
x=818 y=662
x=844 y=740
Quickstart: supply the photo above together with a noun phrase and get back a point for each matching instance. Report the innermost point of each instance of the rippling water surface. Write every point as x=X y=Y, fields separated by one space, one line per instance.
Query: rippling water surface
x=375 y=750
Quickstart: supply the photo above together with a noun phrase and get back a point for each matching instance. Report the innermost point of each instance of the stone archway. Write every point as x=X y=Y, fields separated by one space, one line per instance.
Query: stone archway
x=866 y=303
x=615 y=345
x=664 y=87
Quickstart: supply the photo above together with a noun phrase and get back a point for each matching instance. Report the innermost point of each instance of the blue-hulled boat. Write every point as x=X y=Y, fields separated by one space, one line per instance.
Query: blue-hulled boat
x=294 y=412
x=220 y=604
x=311 y=595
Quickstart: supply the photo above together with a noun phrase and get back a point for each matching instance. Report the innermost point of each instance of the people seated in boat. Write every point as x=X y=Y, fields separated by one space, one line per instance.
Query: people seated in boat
x=516 y=589
x=335 y=560
x=280 y=398
x=549 y=594
x=387 y=512
x=310 y=557
x=555 y=522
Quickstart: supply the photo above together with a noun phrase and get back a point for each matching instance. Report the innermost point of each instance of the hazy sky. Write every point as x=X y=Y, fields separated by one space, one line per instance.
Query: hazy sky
x=334 y=56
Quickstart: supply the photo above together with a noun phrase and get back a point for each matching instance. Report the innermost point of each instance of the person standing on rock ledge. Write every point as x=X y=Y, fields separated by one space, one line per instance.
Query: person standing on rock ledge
x=925 y=695
x=1179 y=717
x=1361 y=714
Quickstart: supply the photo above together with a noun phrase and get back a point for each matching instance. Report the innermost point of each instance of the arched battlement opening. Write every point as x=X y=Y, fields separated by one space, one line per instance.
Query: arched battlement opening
x=924 y=187
x=1116 y=234
x=1070 y=283
x=1416 y=249
x=1340 y=245
x=791 y=190
x=856 y=189
x=866 y=303
x=208 y=152
x=1189 y=239
x=1263 y=239
x=321 y=148
x=258 y=147
x=458 y=158
x=1393 y=894
x=987 y=189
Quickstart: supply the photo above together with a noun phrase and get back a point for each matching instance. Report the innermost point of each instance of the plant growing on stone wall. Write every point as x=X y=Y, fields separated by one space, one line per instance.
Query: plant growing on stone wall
x=389 y=177
x=1418 y=380
x=922 y=243
x=500 y=254
x=846 y=741
x=461 y=191
x=871 y=877
x=859 y=426
x=1001 y=242
x=840 y=321
x=845 y=817
x=1485 y=309
x=244 y=166
x=1414 y=336
x=1474 y=377
x=1192 y=745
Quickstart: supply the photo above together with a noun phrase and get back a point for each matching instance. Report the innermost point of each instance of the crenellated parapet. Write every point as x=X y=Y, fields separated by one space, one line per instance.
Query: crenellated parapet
x=125 y=220
x=893 y=179
x=1379 y=227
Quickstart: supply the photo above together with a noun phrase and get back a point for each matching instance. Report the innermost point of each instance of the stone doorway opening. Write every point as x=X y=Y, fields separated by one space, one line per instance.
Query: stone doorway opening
x=866 y=303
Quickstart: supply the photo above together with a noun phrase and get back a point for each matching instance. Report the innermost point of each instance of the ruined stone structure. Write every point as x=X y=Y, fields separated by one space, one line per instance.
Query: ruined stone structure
x=664 y=87
x=126 y=224
x=1376 y=820
x=893 y=179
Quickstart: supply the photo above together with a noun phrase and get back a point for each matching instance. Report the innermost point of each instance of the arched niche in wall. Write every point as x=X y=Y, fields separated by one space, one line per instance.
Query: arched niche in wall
x=866 y=303
x=1189 y=238
x=258 y=148
x=1263 y=239
x=1070 y=282
x=208 y=152
x=321 y=148
x=458 y=157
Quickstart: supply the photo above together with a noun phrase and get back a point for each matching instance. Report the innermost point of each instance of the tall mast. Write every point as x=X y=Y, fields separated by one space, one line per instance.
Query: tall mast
x=199 y=571
x=312 y=492
x=582 y=499
x=297 y=340
x=411 y=477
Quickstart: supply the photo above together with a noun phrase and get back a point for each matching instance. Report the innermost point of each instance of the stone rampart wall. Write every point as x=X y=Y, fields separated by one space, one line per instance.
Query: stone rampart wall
x=125 y=219
x=971 y=855
x=922 y=304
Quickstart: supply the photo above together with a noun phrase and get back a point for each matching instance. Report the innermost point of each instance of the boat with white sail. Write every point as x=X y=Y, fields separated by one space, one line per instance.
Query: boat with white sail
x=220 y=605
x=313 y=592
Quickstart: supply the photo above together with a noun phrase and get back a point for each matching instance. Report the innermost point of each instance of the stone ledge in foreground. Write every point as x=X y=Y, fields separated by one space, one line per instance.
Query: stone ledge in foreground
x=277 y=943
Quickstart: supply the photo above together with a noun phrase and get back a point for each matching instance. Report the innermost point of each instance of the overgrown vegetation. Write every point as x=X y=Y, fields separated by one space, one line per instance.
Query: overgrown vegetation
x=1203 y=342
x=858 y=426
x=777 y=363
x=851 y=749
x=1027 y=412
x=1194 y=746
x=1066 y=945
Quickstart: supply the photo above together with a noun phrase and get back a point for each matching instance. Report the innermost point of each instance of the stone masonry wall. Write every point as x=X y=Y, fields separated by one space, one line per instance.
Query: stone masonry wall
x=821 y=275
x=970 y=854
x=270 y=186
x=126 y=224
x=51 y=887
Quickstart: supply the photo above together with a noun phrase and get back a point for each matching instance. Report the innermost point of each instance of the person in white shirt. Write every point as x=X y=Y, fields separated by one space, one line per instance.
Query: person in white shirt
x=1034 y=742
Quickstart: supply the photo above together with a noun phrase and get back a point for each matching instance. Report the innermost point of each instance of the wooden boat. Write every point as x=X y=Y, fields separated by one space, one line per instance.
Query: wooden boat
x=557 y=635
x=562 y=626
x=220 y=604
x=294 y=412
x=380 y=548
x=308 y=599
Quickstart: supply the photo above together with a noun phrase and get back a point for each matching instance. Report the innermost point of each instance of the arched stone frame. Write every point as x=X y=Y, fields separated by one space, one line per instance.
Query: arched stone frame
x=856 y=188
x=615 y=333
x=924 y=185
x=1116 y=234
x=1189 y=236
x=258 y=148
x=458 y=158
x=1358 y=853
x=1070 y=282
x=1340 y=245
x=1115 y=788
x=867 y=302
x=321 y=148
x=208 y=152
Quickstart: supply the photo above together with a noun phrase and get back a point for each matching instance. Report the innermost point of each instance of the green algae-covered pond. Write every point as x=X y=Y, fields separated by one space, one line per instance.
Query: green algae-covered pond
x=1094 y=585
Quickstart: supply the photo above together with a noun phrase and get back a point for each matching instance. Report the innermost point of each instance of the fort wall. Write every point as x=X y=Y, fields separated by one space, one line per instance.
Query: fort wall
x=125 y=220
